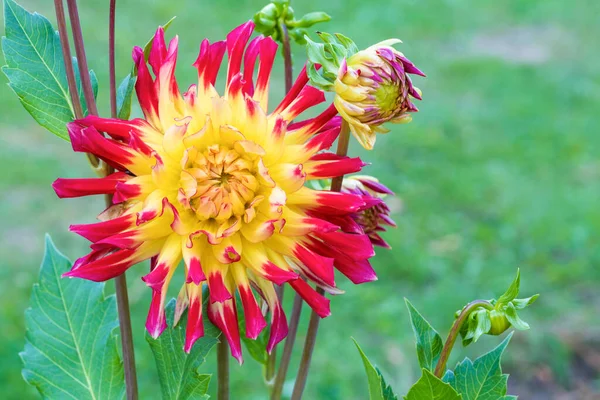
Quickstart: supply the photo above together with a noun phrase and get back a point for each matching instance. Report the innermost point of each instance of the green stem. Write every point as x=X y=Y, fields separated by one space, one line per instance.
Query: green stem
x=313 y=325
x=222 y=369
x=440 y=367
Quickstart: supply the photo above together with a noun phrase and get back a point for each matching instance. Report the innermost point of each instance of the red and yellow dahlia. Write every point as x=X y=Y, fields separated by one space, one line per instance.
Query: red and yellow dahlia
x=219 y=183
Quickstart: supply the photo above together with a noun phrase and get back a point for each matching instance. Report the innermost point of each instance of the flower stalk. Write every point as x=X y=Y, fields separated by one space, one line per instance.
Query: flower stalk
x=313 y=325
x=288 y=69
x=440 y=367
x=121 y=280
x=102 y=169
x=72 y=84
x=222 y=369
x=287 y=349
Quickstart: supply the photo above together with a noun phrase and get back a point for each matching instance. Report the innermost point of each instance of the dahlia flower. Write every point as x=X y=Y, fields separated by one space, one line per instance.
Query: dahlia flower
x=218 y=182
x=373 y=87
x=373 y=219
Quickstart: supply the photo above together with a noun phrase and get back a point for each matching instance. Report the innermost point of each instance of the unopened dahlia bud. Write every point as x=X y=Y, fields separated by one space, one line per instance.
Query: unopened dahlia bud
x=371 y=86
x=374 y=219
x=498 y=317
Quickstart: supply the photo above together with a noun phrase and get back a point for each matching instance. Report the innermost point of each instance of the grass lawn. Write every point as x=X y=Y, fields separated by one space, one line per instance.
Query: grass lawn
x=499 y=170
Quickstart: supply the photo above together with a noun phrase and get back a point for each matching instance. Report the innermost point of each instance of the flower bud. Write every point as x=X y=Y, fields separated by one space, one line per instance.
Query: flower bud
x=374 y=219
x=499 y=323
x=498 y=316
x=373 y=87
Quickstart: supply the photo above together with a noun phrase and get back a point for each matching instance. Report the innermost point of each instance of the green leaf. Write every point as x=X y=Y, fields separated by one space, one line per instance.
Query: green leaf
x=430 y=387
x=482 y=379
x=373 y=376
x=512 y=291
x=257 y=348
x=35 y=68
x=177 y=371
x=124 y=94
x=386 y=390
x=429 y=342
x=70 y=348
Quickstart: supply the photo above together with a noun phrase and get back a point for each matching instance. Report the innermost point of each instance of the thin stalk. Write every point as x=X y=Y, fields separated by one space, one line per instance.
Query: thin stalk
x=287 y=57
x=84 y=74
x=66 y=52
x=67 y=60
x=272 y=358
x=121 y=280
x=440 y=367
x=222 y=369
x=287 y=349
x=313 y=325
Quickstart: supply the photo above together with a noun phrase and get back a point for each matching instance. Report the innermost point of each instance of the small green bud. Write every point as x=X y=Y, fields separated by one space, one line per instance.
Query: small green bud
x=310 y=19
x=501 y=315
x=499 y=323
x=271 y=19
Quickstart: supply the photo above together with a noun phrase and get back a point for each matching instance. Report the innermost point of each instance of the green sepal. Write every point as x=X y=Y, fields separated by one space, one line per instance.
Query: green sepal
x=478 y=323
x=430 y=387
x=316 y=79
x=428 y=341
x=512 y=291
x=330 y=54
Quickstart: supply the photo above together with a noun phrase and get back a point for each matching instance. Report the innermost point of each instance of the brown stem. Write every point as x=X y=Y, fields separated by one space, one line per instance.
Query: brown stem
x=121 y=280
x=287 y=57
x=287 y=349
x=111 y=58
x=440 y=367
x=288 y=72
x=313 y=325
x=84 y=73
x=68 y=62
x=222 y=369
x=67 y=59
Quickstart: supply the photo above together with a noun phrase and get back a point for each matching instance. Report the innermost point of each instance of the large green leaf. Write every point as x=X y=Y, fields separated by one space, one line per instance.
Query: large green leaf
x=35 y=68
x=177 y=371
x=482 y=379
x=374 y=378
x=71 y=349
x=430 y=387
x=429 y=342
x=378 y=387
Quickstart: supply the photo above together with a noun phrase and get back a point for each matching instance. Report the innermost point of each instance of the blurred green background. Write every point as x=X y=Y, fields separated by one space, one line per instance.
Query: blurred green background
x=500 y=169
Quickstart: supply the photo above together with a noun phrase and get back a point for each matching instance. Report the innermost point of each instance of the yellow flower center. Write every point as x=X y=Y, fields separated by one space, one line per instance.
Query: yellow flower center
x=222 y=184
